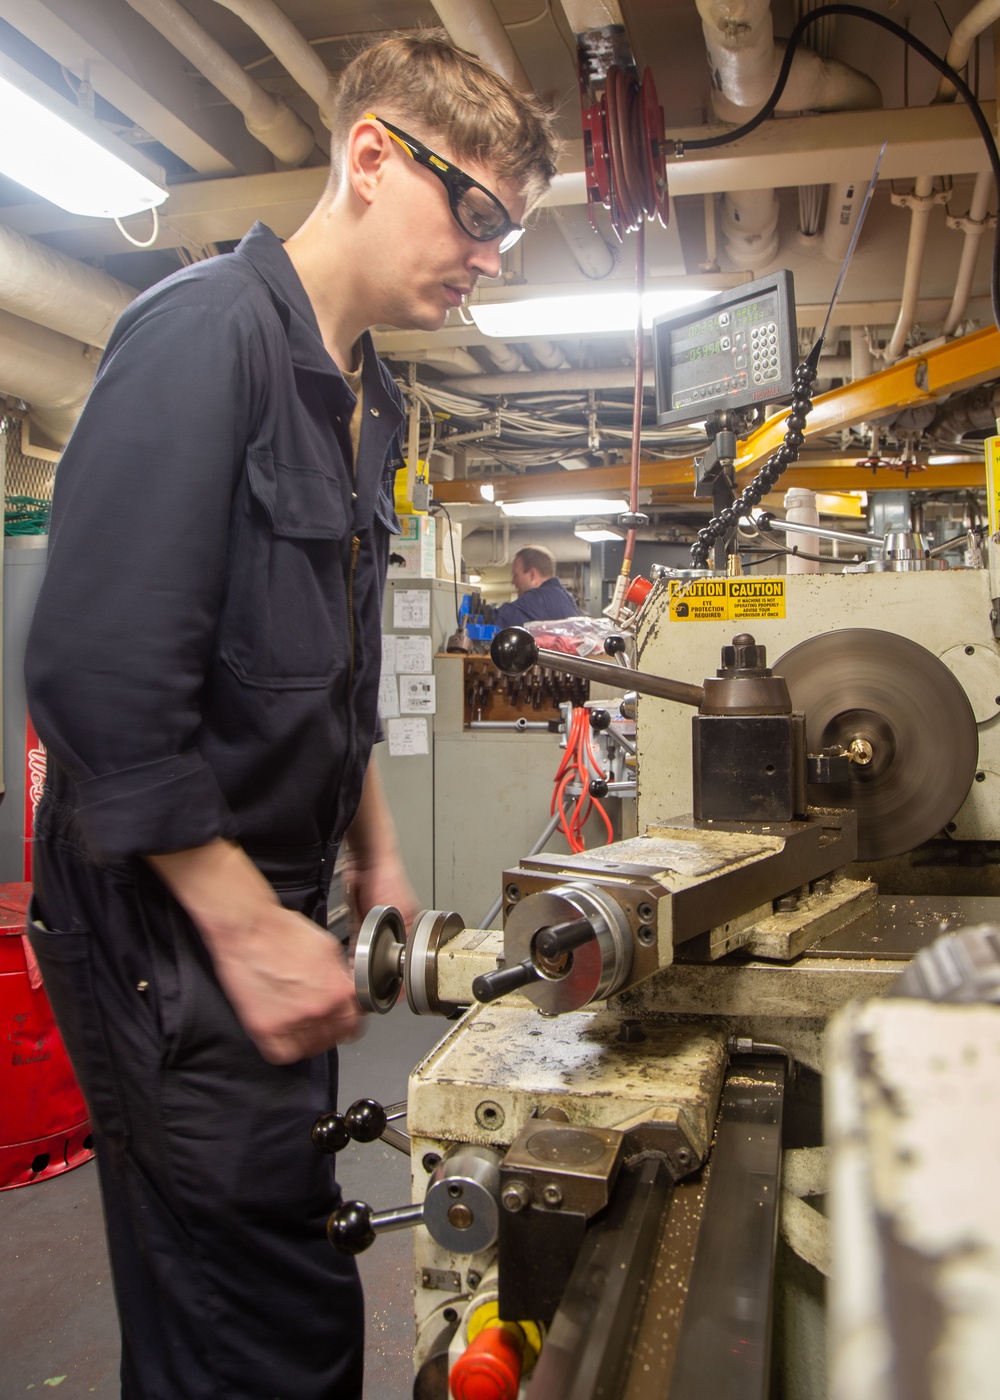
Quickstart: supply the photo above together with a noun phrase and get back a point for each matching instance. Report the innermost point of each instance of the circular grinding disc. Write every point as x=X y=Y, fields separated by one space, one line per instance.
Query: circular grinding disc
x=899 y=699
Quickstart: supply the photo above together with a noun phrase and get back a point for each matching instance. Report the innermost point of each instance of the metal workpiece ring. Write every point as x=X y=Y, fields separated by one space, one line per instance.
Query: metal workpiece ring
x=431 y=931
x=596 y=969
x=379 y=955
x=462 y=1205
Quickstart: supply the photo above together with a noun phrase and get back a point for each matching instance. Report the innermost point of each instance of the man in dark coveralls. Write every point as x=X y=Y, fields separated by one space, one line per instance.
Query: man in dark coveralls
x=203 y=669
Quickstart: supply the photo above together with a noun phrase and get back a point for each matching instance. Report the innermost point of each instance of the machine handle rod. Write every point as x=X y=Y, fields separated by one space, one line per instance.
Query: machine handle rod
x=563 y=938
x=490 y=985
x=766 y=521
x=396 y=1218
x=610 y=674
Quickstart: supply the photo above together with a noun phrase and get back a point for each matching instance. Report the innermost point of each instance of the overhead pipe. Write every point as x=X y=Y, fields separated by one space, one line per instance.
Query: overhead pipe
x=290 y=48
x=50 y=372
x=54 y=290
x=270 y=120
x=474 y=25
x=506 y=358
x=922 y=200
x=744 y=61
x=964 y=35
x=973 y=227
x=569 y=381
x=921 y=204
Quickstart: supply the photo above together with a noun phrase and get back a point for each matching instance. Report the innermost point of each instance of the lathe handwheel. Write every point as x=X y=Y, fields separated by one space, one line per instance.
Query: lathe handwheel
x=431 y=931
x=378 y=959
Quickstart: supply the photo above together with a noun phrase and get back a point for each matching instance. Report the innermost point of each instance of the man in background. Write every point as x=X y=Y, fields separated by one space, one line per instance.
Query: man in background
x=540 y=595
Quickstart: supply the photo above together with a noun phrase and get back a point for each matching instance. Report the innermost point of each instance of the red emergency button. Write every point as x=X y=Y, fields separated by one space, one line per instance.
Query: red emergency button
x=489 y=1368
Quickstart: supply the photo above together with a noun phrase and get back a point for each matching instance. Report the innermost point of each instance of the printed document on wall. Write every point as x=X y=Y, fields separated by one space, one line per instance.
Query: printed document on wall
x=408 y=738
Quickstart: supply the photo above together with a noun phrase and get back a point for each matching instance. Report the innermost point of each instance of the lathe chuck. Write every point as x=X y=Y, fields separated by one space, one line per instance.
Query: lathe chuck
x=907 y=721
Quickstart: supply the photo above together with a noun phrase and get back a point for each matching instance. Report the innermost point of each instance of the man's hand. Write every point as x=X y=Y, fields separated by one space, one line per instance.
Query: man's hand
x=284 y=976
x=289 y=986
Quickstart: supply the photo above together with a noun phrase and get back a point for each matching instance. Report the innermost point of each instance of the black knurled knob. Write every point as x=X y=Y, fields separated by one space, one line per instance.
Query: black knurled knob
x=349 y=1228
x=598 y=787
x=600 y=719
x=614 y=644
x=514 y=650
x=365 y=1120
x=330 y=1134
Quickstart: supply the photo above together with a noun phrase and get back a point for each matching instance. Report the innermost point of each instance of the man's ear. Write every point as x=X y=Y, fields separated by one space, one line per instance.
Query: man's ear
x=365 y=158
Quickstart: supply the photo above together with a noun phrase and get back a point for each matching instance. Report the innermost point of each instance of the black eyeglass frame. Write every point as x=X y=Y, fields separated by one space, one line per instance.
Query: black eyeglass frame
x=456 y=183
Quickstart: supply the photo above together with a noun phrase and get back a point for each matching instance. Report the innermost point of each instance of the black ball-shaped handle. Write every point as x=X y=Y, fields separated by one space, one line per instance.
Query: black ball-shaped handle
x=514 y=650
x=349 y=1228
x=598 y=787
x=600 y=719
x=365 y=1120
x=330 y=1134
x=614 y=644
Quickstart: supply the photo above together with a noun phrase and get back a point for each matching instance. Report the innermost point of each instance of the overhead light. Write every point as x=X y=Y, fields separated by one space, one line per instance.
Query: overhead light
x=62 y=153
x=563 y=506
x=584 y=313
x=596 y=531
x=486 y=491
x=475 y=578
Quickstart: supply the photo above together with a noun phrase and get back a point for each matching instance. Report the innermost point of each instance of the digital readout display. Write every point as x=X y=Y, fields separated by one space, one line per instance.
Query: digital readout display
x=723 y=353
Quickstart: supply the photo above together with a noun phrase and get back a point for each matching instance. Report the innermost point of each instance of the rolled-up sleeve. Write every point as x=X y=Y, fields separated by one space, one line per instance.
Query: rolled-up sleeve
x=129 y=605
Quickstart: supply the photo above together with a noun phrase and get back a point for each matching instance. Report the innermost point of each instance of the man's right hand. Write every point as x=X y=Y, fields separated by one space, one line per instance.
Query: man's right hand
x=285 y=977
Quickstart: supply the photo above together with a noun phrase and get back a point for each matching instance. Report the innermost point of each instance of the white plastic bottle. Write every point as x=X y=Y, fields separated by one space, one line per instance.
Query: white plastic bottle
x=800 y=509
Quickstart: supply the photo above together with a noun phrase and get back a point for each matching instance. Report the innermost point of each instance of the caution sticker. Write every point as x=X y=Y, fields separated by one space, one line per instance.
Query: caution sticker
x=726 y=600
x=699 y=600
x=756 y=597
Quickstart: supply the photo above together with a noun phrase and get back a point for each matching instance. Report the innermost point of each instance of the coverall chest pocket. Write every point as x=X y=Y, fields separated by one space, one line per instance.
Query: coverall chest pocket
x=285 y=624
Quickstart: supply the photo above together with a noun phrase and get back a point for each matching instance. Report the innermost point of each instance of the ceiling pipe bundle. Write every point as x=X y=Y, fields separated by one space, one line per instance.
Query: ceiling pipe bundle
x=268 y=119
x=290 y=48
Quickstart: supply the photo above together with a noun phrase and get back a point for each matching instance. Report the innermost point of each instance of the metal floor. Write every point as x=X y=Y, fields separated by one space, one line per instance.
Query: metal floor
x=58 y=1331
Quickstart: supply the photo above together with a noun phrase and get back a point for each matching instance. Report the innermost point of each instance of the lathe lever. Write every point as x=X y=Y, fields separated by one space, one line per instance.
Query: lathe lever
x=365 y=1121
x=352 y=1228
x=490 y=985
x=563 y=938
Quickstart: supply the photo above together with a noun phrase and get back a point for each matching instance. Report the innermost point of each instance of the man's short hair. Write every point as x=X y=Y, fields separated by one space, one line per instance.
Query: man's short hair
x=453 y=98
x=535 y=557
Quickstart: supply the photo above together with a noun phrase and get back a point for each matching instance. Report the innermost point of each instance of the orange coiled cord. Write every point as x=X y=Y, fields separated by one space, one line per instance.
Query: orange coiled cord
x=579 y=764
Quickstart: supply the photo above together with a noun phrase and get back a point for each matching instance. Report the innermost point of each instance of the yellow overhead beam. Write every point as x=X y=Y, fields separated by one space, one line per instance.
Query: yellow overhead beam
x=925 y=377
x=929 y=375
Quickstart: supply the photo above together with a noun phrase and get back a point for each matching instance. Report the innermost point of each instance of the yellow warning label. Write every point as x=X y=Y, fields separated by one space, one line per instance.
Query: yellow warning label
x=699 y=600
x=756 y=597
x=723 y=600
x=992 y=446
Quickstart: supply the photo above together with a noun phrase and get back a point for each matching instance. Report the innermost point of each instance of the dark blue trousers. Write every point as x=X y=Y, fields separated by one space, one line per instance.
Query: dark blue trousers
x=215 y=1199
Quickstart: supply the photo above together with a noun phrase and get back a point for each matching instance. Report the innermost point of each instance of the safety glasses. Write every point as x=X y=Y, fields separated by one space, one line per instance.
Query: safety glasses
x=477 y=212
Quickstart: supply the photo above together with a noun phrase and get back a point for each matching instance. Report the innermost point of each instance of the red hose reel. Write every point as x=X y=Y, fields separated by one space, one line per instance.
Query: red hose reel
x=623 y=137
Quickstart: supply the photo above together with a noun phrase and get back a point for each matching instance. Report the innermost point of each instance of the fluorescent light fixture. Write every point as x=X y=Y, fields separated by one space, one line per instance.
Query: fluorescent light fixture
x=596 y=531
x=949 y=459
x=563 y=506
x=486 y=491
x=475 y=578
x=585 y=313
x=65 y=155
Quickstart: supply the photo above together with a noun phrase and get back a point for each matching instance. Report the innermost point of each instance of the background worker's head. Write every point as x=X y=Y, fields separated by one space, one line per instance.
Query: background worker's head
x=413 y=116
x=530 y=567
